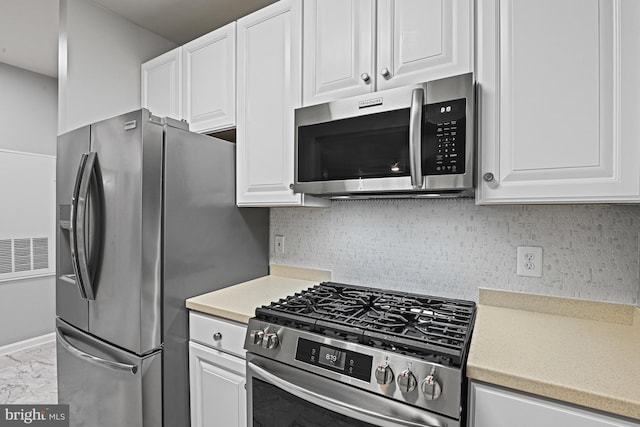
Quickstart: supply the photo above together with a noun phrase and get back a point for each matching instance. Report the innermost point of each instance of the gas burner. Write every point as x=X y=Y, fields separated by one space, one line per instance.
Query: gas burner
x=387 y=321
x=432 y=328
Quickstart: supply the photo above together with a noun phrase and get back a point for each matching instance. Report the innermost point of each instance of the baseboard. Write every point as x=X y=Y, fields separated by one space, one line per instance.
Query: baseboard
x=26 y=344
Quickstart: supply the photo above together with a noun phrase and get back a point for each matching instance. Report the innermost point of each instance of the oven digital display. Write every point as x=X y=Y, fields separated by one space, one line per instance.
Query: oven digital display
x=332 y=357
x=346 y=362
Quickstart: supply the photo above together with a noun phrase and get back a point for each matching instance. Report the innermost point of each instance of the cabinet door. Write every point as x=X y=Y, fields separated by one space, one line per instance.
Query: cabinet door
x=217 y=388
x=338 y=49
x=210 y=80
x=495 y=407
x=269 y=88
x=162 y=84
x=559 y=100
x=269 y=71
x=420 y=40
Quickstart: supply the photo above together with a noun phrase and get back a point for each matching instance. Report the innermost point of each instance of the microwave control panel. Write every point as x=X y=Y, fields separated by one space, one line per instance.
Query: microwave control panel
x=443 y=152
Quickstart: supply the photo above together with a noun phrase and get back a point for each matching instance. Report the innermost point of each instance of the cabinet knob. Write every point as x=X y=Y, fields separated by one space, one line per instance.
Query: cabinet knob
x=385 y=73
x=365 y=77
x=488 y=177
x=217 y=336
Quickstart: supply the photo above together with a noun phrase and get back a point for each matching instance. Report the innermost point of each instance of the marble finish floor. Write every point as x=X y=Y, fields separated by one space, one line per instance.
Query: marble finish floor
x=29 y=376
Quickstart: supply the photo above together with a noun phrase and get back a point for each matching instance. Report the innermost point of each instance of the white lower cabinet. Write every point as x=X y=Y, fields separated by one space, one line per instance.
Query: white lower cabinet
x=496 y=407
x=216 y=377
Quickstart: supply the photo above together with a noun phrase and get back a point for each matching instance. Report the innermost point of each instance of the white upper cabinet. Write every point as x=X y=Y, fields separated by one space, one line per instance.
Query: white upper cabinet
x=195 y=82
x=353 y=47
x=269 y=88
x=421 y=40
x=339 y=49
x=210 y=80
x=162 y=84
x=559 y=101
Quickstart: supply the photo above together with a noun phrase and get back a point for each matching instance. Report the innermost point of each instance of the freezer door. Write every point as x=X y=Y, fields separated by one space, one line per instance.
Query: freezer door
x=69 y=302
x=126 y=309
x=106 y=386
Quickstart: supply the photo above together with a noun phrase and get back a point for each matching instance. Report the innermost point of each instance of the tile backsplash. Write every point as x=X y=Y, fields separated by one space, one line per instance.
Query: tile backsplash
x=450 y=247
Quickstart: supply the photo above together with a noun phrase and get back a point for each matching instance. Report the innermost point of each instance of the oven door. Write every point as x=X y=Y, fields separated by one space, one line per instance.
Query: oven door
x=280 y=395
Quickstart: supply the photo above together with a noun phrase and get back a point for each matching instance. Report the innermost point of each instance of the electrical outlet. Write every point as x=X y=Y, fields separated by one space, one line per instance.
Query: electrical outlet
x=278 y=246
x=529 y=261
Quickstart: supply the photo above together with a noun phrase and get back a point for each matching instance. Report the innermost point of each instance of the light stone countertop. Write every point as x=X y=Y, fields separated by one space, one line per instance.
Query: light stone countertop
x=239 y=302
x=582 y=352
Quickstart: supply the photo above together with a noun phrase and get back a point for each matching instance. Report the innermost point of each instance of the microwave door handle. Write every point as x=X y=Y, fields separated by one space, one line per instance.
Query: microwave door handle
x=81 y=216
x=415 y=138
x=73 y=232
x=339 y=403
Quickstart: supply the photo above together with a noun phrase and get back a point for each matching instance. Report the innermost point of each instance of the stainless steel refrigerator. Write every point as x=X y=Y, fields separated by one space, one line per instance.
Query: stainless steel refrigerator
x=146 y=218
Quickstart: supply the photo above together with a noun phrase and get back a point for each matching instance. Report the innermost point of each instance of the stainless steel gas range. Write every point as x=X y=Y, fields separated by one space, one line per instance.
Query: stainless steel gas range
x=345 y=355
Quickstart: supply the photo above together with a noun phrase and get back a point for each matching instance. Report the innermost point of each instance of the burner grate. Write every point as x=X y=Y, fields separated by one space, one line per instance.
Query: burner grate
x=436 y=329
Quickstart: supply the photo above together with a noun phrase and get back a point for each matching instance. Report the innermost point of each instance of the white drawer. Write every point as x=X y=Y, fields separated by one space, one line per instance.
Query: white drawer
x=205 y=329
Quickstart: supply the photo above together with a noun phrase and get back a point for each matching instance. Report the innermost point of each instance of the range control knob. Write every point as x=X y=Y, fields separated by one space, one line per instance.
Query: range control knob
x=407 y=381
x=384 y=374
x=255 y=336
x=270 y=340
x=431 y=388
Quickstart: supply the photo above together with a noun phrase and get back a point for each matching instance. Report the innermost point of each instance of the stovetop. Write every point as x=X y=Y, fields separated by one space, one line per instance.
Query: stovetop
x=427 y=327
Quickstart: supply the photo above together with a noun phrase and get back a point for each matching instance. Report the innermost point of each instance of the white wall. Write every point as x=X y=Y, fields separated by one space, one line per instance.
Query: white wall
x=28 y=110
x=451 y=247
x=27 y=308
x=99 y=63
x=28 y=104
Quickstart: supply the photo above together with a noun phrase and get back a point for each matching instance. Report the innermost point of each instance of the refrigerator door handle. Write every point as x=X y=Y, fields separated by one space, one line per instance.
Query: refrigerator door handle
x=80 y=225
x=73 y=236
x=109 y=364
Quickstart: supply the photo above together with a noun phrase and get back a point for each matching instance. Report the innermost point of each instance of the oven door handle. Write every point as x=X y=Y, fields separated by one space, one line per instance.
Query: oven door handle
x=344 y=403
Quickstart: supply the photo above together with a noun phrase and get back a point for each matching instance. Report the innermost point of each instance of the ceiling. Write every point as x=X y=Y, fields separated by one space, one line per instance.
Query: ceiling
x=29 y=28
x=183 y=20
x=29 y=35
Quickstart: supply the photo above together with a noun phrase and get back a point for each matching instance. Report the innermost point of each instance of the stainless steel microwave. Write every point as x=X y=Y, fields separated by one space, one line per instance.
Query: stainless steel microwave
x=414 y=141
